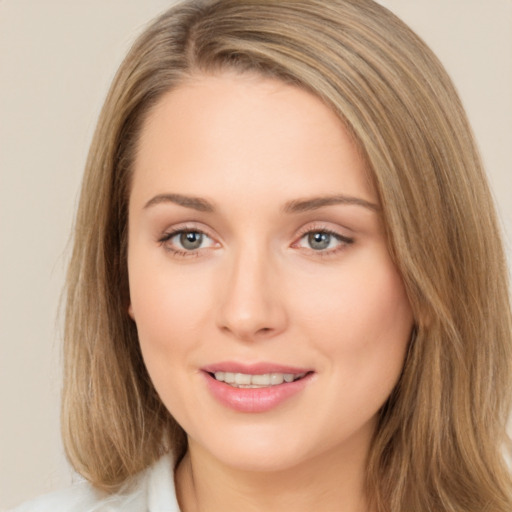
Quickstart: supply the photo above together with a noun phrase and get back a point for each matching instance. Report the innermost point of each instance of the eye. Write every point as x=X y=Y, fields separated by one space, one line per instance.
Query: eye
x=183 y=241
x=190 y=240
x=322 y=240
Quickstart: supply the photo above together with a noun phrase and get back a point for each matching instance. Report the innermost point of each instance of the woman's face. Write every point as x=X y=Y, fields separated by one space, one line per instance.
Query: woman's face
x=257 y=255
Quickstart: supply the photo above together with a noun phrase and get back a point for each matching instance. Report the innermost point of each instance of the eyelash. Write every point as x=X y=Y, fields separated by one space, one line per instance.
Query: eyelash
x=344 y=241
x=182 y=253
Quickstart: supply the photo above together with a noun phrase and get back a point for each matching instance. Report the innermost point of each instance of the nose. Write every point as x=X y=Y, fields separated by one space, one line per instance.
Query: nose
x=251 y=303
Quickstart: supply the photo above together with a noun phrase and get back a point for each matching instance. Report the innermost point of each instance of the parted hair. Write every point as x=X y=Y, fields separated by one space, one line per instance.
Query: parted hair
x=441 y=437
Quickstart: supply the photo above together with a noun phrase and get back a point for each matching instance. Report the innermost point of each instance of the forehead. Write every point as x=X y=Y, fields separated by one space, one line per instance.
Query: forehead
x=246 y=132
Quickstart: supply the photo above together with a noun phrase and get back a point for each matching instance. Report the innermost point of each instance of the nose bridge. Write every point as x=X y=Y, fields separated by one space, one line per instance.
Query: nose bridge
x=251 y=305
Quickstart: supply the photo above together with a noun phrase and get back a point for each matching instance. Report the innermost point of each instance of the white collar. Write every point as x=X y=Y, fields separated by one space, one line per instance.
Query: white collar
x=161 y=494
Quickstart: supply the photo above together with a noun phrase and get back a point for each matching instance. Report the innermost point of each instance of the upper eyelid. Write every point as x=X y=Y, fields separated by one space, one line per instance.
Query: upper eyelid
x=185 y=227
x=315 y=226
x=327 y=227
x=343 y=239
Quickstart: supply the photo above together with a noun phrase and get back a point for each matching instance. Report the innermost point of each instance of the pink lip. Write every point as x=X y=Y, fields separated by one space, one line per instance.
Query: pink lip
x=254 y=400
x=254 y=368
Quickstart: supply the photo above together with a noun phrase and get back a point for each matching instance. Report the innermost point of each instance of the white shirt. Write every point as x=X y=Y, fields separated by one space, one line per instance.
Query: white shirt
x=151 y=491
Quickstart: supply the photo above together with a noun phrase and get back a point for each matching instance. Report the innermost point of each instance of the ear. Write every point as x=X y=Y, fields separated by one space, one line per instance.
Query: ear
x=130 y=311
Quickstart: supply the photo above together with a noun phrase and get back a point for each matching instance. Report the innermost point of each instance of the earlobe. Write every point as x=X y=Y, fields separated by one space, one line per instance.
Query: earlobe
x=130 y=311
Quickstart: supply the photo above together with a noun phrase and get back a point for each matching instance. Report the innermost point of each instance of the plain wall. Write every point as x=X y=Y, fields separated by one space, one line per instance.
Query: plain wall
x=57 y=58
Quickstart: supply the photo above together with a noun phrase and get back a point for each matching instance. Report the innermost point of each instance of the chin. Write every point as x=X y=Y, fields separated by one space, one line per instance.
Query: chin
x=270 y=460
x=253 y=451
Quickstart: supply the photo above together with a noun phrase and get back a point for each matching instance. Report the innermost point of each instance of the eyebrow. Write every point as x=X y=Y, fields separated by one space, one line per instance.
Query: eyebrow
x=314 y=203
x=195 y=203
x=295 y=206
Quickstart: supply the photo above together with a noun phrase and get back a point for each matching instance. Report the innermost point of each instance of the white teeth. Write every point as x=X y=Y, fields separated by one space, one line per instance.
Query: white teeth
x=276 y=378
x=244 y=380
x=260 y=380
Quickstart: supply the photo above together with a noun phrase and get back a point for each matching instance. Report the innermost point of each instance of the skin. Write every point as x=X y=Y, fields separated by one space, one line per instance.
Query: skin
x=256 y=289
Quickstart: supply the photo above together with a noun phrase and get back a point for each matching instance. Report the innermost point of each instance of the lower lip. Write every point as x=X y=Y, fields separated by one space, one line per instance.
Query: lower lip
x=254 y=400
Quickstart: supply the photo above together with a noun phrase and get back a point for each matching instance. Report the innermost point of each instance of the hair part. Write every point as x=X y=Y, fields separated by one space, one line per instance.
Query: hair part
x=439 y=442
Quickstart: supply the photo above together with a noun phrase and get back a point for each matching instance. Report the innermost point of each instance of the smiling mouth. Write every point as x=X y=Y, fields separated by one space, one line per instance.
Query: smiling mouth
x=265 y=380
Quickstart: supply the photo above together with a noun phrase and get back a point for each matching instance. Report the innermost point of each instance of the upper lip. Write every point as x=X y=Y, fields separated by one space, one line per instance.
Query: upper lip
x=260 y=368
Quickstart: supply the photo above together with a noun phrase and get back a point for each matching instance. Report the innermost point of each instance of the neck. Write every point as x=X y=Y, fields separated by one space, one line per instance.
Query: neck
x=331 y=481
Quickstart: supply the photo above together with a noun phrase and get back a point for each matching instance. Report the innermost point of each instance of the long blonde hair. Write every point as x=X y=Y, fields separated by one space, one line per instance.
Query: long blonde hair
x=438 y=446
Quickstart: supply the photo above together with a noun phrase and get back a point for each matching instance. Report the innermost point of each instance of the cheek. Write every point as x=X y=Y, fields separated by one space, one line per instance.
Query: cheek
x=361 y=320
x=364 y=340
x=168 y=309
x=380 y=309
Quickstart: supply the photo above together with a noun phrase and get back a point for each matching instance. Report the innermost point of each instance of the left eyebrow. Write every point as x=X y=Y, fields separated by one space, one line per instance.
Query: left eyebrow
x=195 y=203
x=314 y=203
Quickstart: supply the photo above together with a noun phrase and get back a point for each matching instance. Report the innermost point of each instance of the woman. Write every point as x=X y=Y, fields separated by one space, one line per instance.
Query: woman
x=287 y=281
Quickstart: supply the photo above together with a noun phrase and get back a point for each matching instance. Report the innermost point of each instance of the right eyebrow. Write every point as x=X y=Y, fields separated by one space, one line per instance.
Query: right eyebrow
x=196 y=203
x=315 y=203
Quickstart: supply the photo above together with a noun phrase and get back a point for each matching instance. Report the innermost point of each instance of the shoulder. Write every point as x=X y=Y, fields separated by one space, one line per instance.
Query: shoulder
x=152 y=491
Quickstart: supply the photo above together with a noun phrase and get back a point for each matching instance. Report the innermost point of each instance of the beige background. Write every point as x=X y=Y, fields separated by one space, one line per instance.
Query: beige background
x=57 y=58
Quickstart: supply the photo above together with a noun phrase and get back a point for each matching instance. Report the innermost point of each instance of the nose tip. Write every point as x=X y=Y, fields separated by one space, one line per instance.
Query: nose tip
x=248 y=326
x=251 y=307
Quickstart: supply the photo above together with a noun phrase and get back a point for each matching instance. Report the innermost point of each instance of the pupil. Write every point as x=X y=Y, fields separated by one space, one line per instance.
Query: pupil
x=191 y=240
x=319 y=241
